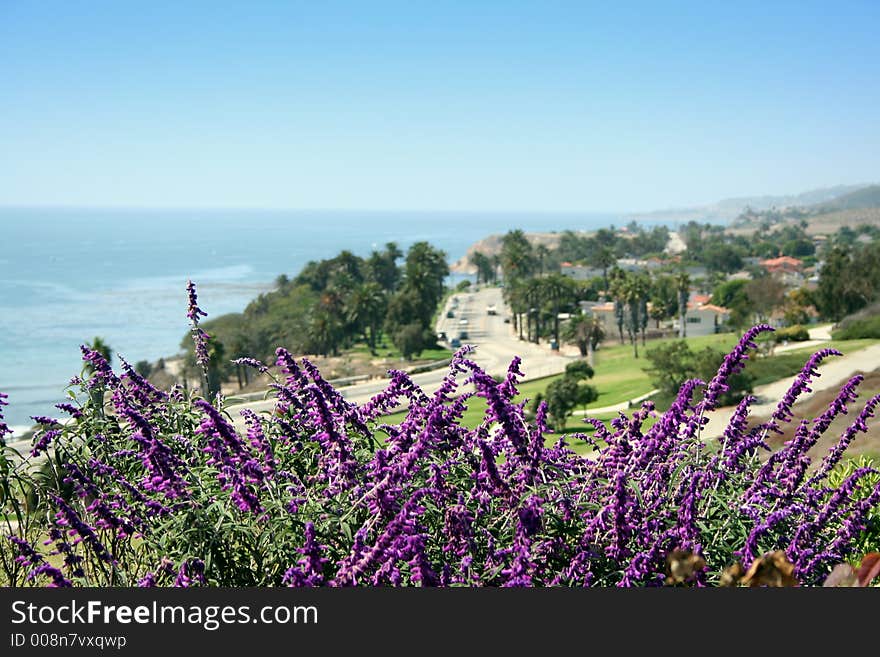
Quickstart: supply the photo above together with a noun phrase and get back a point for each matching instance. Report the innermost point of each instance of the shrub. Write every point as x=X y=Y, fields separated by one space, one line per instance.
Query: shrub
x=868 y=327
x=165 y=490
x=794 y=333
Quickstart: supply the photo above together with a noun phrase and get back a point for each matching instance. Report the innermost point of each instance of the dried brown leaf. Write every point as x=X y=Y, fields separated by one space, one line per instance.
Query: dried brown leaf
x=732 y=575
x=772 y=569
x=682 y=566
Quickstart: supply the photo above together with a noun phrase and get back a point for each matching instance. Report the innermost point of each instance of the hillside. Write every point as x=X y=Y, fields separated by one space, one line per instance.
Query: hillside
x=491 y=246
x=865 y=198
x=728 y=209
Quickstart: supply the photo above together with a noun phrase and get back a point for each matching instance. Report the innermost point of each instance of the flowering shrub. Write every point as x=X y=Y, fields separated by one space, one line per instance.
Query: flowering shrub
x=152 y=488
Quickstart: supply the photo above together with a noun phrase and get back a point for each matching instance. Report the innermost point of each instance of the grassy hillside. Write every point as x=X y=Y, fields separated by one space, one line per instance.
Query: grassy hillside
x=867 y=197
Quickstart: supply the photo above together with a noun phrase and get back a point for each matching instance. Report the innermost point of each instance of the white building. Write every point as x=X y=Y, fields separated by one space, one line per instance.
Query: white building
x=703 y=319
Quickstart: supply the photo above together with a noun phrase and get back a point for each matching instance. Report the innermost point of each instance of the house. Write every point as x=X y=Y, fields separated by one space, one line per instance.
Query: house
x=637 y=264
x=696 y=271
x=787 y=269
x=783 y=265
x=579 y=272
x=604 y=310
x=703 y=319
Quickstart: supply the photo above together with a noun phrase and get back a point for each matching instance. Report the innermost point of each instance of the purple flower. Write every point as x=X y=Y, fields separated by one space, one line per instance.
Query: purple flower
x=191 y=573
x=253 y=363
x=801 y=384
x=200 y=338
x=310 y=568
x=193 y=311
x=43 y=441
x=4 y=428
x=733 y=363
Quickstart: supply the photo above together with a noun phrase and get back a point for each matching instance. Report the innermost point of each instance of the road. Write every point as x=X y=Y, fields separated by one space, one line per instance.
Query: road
x=495 y=342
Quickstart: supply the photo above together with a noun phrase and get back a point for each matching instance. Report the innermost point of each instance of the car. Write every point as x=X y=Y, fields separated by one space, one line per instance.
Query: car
x=462 y=335
x=455 y=343
x=462 y=322
x=450 y=314
x=491 y=310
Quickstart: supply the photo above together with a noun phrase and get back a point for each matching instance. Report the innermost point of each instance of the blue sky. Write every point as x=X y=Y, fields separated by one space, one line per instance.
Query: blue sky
x=555 y=106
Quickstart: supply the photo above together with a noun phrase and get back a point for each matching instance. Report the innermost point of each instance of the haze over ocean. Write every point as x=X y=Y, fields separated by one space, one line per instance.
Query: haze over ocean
x=68 y=275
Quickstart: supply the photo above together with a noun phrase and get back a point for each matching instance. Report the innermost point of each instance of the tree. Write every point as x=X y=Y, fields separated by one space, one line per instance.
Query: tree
x=732 y=295
x=849 y=280
x=485 y=267
x=579 y=370
x=366 y=307
x=542 y=254
x=765 y=295
x=706 y=364
x=382 y=267
x=558 y=290
x=564 y=395
x=604 y=259
x=683 y=286
x=664 y=298
x=410 y=339
x=424 y=272
x=585 y=332
x=798 y=305
x=672 y=365
x=324 y=332
x=216 y=368
x=532 y=294
x=517 y=256
x=634 y=294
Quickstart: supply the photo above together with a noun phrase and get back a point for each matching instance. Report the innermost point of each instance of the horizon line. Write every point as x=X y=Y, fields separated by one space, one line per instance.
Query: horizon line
x=254 y=208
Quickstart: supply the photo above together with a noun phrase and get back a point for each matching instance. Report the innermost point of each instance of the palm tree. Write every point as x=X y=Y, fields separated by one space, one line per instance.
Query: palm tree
x=618 y=291
x=514 y=295
x=517 y=256
x=532 y=294
x=365 y=309
x=604 y=259
x=541 y=254
x=557 y=289
x=683 y=284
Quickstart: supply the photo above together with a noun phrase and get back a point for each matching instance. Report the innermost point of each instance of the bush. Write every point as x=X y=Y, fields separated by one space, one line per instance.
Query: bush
x=868 y=327
x=674 y=363
x=164 y=490
x=795 y=333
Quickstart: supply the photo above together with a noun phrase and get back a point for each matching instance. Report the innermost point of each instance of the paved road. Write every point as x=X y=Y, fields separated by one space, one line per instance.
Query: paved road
x=495 y=342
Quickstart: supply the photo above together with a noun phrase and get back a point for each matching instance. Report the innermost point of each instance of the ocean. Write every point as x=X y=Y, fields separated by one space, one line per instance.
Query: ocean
x=67 y=276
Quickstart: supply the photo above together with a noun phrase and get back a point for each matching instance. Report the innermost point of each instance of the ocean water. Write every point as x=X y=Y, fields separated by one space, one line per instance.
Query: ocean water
x=69 y=275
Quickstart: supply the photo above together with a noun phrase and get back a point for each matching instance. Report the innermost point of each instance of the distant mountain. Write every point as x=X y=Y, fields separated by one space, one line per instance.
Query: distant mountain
x=728 y=209
x=860 y=199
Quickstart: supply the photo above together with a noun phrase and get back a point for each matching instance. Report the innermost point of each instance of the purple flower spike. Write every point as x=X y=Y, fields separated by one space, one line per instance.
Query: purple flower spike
x=200 y=338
